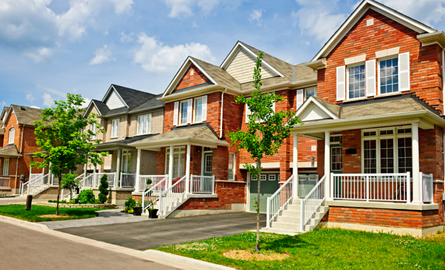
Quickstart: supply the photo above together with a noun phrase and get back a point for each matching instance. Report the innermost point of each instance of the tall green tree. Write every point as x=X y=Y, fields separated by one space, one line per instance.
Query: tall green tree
x=266 y=131
x=63 y=139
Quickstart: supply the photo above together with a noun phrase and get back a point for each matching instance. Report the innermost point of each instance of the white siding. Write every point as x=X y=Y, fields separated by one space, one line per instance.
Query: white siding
x=242 y=65
x=114 y=101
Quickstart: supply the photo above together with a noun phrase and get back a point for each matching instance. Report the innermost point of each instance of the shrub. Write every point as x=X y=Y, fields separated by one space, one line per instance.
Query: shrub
x=74 y=201
x=63 y=201
x=103 y=188
x=130 y=204
x=86 y=196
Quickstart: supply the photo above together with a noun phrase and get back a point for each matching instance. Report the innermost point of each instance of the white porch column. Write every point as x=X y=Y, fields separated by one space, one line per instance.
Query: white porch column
x=170 y=168
x=295 y=168
x=30 y=170
x=327 y=165
x=118 y=168
x=138 y=168
x=416 y=164
x=187 y=170
x=85 y=167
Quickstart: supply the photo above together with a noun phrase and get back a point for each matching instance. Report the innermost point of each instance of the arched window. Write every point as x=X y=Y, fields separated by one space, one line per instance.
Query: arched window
x=11 y=135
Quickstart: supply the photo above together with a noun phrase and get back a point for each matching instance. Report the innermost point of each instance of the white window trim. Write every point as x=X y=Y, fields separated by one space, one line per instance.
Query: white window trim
x=6 y=167
x=149 y=117
x=378 y=76
x=234 y=165
x=180 y=112
x=11 y=138
x=347 y=81
x=377 y=138
x=112 y=128
x=94 y=130
x=194 y=109
x=176 y=150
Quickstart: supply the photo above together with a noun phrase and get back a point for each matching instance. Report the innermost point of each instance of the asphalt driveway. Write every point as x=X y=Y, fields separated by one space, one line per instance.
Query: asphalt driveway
x=154 y=233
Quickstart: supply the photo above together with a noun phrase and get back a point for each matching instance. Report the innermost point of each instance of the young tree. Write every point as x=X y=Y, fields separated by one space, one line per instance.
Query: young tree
x=68 y=182
x=62 y=137
x=103 y=188
x=265 y=133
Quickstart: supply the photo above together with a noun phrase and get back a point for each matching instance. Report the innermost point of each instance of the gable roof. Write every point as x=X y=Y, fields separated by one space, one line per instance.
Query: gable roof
x=25 y=115
x=364 y=6
x=9 y=151
x=325 y=109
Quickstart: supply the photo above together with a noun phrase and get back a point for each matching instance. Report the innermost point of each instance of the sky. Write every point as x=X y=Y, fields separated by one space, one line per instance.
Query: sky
x=50 y=48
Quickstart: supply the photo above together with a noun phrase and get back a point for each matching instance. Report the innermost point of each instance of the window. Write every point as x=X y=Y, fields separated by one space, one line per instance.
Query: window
x=356 y=82
x=178 y=162
x=94 y=130
x=115 y=128
x=6 y=166
x=389 y=76
x=310 y=92
x=197 y=110
x=231 y=166
x=183 y=113
x=144 y=124
x=304 y=94
x=272 y=177
x=126 y=161
x=11 y=135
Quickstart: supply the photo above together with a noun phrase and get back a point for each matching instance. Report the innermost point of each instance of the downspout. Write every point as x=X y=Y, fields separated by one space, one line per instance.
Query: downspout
x=222 y=114
x=17 y=163
x=443 y=81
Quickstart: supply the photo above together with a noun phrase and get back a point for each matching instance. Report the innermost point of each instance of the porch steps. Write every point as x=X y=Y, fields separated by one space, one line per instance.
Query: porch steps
x=37 y=192
x=181 y=200
x=317 y=217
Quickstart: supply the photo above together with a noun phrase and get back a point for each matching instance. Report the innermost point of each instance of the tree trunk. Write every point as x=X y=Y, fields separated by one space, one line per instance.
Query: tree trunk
x=58 y=194
x=257 y=242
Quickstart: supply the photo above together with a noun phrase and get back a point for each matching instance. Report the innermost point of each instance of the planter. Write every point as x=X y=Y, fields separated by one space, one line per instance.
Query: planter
x=137 y=211
x=152 y=213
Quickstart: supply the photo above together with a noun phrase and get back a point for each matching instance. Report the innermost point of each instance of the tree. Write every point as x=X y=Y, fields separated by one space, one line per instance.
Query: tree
x=68 y=182
x=265 y=133
x=61 y=137
x=103 y=188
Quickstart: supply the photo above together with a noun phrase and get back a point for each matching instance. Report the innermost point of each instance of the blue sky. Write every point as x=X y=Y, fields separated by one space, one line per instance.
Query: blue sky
x=50 y=48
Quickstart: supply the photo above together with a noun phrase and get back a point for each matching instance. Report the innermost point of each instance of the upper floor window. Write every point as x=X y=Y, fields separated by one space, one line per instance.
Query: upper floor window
x=304 y=94
x=183 y=112
x=389 y=76
x=11 y=135
x=231 y=170
x=115 y=128
x=356 y=82
x=94 y=130
x=144 y=124
x=310 y=92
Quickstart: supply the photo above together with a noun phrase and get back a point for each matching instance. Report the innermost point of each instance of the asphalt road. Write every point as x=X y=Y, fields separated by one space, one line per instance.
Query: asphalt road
x=154 y=233
x=22 y=248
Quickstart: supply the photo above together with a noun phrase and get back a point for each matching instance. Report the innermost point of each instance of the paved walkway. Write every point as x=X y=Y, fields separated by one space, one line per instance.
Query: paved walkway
x=154 y=233
x=18 y=200
x=106 y=217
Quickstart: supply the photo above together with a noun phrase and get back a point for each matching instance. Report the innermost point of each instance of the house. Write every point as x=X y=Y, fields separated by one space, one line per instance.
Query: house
x=378 y=120
x=206 y=174
x=127 y=116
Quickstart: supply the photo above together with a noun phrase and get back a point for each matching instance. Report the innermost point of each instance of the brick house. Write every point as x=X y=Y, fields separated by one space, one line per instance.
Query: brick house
x=127 y=115
x=378 y=120
x=207 y=174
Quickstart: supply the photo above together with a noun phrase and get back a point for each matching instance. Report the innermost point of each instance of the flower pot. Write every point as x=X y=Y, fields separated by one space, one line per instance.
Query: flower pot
x=152 y=213
x=137 y=211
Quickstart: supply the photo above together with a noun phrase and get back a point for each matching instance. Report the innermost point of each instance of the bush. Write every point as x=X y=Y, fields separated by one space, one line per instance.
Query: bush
x=86 y=196
x=74 y=201
x=130 y=204
x=63 y=201
x=103 y=188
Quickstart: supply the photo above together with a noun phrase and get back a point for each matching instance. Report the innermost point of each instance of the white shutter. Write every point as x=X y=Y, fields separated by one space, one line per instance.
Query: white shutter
x=370 y=78
x=300 y=98
x=248 y=112
x=149 y=123
x=175 y=114
x=404 y=80
x=204 y=108
x=273 y=107
x=341 y=83
x=189 y=111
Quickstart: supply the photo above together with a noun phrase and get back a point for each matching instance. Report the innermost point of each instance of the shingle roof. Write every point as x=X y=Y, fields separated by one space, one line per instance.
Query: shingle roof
x=26 y=115
x=221 y=76
x=133 y=97
x=102 y=107
x=10 y=151
x=335 y=109
x=153 y=103
x=126 y=141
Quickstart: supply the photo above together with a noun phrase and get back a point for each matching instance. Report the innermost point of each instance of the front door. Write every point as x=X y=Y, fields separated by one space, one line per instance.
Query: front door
x=336 y=167
x=207 y=164
x=270 y=183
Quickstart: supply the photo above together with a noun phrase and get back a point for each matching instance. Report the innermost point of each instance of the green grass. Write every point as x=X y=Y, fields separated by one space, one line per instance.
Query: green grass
x=18 y=211
x=323 y=249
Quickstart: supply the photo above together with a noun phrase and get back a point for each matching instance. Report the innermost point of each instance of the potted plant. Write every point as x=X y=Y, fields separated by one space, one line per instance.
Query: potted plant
x=152 y=212
x=137 y=209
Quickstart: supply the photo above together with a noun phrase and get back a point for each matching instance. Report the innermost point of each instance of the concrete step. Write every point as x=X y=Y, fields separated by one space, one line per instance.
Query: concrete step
x=292 y=207
x=290 y=213
x=288 y=219
x=285 y=226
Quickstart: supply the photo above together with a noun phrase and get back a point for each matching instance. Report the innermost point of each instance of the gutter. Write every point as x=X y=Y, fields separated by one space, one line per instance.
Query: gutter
x=131 y=112
x=222 y=114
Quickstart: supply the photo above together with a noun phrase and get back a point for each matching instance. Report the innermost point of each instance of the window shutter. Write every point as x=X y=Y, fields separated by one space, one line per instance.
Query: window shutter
x=204 y=108
x=149 y=123
x=175 y=114
x=273 y=107
x=189 y=111
x=370 y=78
x=404 y=80
x=248 y=112
x=300 y=98
x=341 y=83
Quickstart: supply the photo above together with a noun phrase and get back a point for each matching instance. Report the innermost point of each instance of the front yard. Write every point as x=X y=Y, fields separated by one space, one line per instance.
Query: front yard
x=322 y=249
x=37 y=211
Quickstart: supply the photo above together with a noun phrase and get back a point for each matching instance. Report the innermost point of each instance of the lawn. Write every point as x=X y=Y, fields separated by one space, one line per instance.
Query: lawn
x=323 y=249
x=18 y=211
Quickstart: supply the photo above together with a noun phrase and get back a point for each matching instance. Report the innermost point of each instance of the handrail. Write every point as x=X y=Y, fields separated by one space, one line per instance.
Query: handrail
x=275 y=205
x=318 y=200
x=32 y=183
x=165 y=200
x=149 y=191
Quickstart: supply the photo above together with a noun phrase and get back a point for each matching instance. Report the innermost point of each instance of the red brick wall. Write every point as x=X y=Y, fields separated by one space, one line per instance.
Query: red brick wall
x=189 y=80
x=351 y=139
x=426 y=77
x=431 y=151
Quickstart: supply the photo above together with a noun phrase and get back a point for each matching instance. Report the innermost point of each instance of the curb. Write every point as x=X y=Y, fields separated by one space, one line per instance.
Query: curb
x=156 y=256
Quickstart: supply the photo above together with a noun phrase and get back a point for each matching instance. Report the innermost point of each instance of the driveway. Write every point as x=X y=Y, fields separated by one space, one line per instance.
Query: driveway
x=154 y=233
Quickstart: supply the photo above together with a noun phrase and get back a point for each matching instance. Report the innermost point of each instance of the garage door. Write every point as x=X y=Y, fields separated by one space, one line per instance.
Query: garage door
x=270 y=182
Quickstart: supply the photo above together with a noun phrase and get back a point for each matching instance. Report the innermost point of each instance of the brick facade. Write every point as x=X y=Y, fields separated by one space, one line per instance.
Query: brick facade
x=192 y=77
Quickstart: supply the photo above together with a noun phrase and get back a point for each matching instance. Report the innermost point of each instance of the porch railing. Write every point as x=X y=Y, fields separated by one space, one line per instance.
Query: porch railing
x=34 y=185
x=88 y=181
x=152 y=194
x=310 y=204
x=172 y=194
x=155 y=180
x=128 y=180
x=277 y=202
x=4 y=181
x=111 y=179
x=392 y=187
x=200 y=184
x=427 y=189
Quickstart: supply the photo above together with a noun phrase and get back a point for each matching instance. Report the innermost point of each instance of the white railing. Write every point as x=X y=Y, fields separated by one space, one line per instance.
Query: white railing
x=155 y=179
x=173 y=193
x=392 y=187
x=87 y=181
x=158 y=186
x=277 y=202
x=200 y=184
x=128 y=180
x=427 y=189
x=111 y=179
x=33 y=186
x=4 y=181
x=310 y=204
x=33 y=176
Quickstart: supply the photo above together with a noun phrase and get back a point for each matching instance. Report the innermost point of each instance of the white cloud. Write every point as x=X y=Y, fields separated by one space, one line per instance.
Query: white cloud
x=426 y=11
x=256 y=16
x=40 y=54
x=126 y=38
x=47 y=100
x=34 y=107
x=317 y=18
x=183 y=8
x=85 y=103
x=102 y=55
x=154 y=56
x=30 y=97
